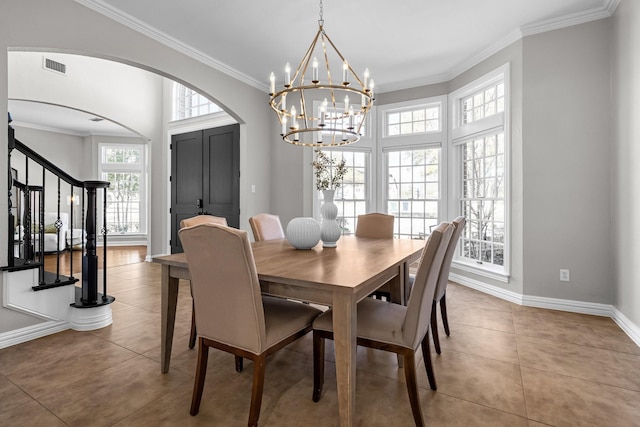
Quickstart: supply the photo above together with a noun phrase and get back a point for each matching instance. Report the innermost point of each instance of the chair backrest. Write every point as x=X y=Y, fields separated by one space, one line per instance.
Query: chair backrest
x=226 y=290
x=418 y=314
x=376 y=225
x=443 y=278
x=266 y=227
x=203 y=219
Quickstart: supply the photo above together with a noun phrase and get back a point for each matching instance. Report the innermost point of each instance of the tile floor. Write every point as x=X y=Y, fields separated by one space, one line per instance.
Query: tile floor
x=503 y=365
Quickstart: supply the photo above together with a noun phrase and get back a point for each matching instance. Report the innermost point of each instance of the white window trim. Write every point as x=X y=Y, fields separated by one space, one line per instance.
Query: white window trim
x=144 y=196
x=462 y=133
x=412 y=142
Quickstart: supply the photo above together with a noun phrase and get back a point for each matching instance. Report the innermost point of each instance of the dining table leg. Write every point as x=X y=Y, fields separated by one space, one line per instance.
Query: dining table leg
x=344 y=337
x=169 y=302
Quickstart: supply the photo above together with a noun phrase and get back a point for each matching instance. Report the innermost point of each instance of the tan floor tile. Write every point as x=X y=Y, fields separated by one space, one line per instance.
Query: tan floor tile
x=479 y=380
x=50 y=369
x=537 y=324
x=564 y=401
x=469 y=314
x=114 y=394
x=443 y=411
x=482 y=342
x=11 y=396
x=588 y=363
x=467 y=296
x=30 y=414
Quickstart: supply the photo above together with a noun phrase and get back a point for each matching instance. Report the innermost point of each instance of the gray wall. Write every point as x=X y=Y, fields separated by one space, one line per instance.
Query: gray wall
x=625 y=155
x=567 y=145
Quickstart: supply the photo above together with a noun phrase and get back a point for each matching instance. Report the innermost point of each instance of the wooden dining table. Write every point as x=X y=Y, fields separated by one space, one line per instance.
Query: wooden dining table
x=338 y=277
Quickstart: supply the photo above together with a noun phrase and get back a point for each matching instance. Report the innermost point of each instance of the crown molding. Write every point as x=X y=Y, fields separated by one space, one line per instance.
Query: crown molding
x=605 y=11
x=140 y=27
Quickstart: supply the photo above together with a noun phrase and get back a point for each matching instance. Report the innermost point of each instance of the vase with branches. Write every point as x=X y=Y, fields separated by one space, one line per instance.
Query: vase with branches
x=328 y=171
x=329 y=175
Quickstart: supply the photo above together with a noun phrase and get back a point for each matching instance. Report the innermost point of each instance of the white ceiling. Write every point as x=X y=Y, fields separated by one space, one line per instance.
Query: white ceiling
x=403 y=43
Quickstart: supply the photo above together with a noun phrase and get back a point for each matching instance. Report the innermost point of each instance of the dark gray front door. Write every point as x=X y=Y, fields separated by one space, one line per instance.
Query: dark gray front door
x=205 y=177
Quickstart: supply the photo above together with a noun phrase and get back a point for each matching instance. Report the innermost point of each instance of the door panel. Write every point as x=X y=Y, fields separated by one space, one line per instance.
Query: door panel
x=205 y=177
x=221 y=188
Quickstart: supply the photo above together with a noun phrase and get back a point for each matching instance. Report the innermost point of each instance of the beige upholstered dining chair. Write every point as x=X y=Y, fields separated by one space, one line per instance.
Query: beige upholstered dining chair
x=266 y=227
x=380 y=226
x=376 y=225
x=394 y=327
x=443 y=279
x=239 y=321
x=188 y=222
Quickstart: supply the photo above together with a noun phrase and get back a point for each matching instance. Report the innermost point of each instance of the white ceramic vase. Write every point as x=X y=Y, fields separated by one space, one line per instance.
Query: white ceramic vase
x=303 y=233
x=329 y=228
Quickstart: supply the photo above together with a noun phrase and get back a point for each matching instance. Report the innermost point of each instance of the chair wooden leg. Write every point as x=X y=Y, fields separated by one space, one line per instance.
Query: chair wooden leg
x=443 y=311
x=256 y=393
x=239 y=364
x=193 y=335
x=201 y=372
x=318 y=366
x=412 y=387
x=426 y=355
x=434 y=327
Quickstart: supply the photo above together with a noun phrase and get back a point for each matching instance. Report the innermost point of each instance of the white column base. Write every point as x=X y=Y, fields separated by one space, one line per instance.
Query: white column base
x=89 y=319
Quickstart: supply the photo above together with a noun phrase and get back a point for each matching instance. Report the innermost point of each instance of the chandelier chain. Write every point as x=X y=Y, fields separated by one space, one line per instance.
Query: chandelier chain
x=321 y=20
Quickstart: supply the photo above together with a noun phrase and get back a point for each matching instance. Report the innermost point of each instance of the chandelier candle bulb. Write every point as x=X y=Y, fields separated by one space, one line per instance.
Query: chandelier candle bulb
x=283 y=106
x=287 y=75
x=366 y=77
x=345 y=73
x=351 y=117
x=284 y=125
x=321 y=111
x=315 y=79
x=272 y=85
x=346 y=104
x=371 y=85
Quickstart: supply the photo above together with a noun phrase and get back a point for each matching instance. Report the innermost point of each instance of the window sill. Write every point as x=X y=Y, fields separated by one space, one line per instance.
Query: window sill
x=493 y=274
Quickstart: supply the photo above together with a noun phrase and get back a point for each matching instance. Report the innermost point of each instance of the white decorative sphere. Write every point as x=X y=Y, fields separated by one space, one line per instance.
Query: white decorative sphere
x=303 y=233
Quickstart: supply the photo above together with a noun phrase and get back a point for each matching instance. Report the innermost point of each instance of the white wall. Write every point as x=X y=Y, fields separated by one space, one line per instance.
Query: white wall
x=625 y=164
x=60 y=149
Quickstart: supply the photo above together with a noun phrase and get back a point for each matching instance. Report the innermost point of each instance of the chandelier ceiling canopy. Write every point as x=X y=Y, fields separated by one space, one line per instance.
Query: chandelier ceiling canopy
x=319 y=108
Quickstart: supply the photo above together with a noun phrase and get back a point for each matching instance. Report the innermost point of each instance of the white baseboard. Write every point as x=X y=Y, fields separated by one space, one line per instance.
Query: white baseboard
x=583 y=307
x=29 y=333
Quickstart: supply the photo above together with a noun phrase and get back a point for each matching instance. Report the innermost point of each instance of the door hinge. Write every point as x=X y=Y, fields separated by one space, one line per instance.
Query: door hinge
x=170 y=146
x=170 y=178
x=170 y=210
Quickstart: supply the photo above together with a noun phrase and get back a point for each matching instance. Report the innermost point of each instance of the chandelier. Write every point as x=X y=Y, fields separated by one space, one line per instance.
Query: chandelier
x=341 y=106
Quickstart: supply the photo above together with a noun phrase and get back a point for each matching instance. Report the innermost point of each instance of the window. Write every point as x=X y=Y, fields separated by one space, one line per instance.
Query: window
x=413 y=190
x=483 y=200
x=413 y=120
x=481 y=144
x=124 y=167
x=188 y=103
x=351 y=197
x=484 y=103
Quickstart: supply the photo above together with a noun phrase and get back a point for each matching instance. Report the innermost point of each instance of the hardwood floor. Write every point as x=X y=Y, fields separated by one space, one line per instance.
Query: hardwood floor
x=116 y=256
x=503 y=365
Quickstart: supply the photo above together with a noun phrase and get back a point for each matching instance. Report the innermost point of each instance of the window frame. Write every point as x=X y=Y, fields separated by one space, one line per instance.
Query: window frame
x=463 y=133
x=141 y=168
x=413 y=142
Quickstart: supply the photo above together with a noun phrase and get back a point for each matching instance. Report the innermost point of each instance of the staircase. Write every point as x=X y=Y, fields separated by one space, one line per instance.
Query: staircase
x=26 y=286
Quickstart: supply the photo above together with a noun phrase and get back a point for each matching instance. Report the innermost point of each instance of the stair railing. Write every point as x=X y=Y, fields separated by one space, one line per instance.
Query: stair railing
x=30 y=202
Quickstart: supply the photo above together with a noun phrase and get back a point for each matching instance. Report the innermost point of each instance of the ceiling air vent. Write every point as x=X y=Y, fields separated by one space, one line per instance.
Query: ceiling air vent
x=58 y=67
